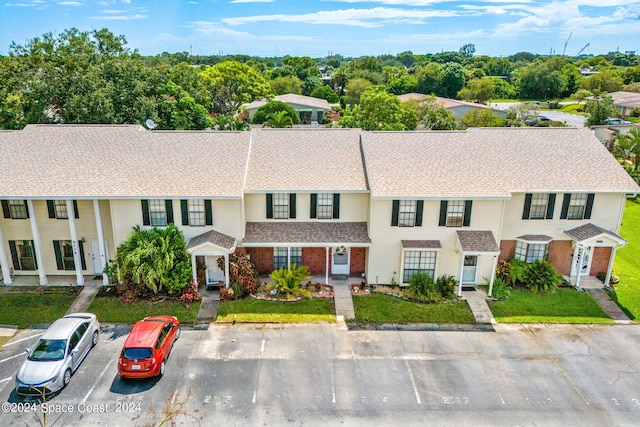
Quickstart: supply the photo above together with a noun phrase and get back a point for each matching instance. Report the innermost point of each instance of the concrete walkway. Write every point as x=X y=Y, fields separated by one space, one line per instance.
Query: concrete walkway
x=611 y=308
x=343 y=300
x=85 y=297
x=478 y=303
x=208 y=308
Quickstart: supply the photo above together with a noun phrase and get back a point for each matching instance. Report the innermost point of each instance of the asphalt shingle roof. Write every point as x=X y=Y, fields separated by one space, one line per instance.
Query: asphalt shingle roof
x=421 y=244
x=589 y=231
x=352 y=233
x=213 y=237
x=477 y=241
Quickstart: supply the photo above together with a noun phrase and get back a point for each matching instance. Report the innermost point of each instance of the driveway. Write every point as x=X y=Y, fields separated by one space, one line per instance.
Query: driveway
x=572 y=120
x=322 y=374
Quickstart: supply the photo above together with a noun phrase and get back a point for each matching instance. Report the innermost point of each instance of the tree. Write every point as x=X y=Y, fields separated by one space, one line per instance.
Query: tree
x=402 y=84
x=281 y=119
x=178 y=110
x=429 y=79
x=431 y=114
x=468 y=50
x=287 y=84
x=480 y=118
x=478 y=90
x=354 y=90
x=626 y=148
x=325 y=92
x=232 y=84
x=379 y=110
x=522 y=114
x=599 y=110
x=602 y=83
x=275 y=107
x=539 y=81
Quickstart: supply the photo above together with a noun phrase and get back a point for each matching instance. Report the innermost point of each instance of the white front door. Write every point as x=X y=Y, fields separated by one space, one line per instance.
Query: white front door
x=585 y=267
x=340 y=261
x=95 y=255
x=214 y=273
x=469 y=269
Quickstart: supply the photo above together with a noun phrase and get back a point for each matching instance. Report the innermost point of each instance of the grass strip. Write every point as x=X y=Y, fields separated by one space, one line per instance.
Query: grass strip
x=379 y=308
x=251 y=310
x=112 y=310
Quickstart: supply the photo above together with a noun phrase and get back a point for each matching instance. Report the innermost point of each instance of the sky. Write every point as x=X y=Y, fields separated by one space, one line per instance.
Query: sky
x=318 y=28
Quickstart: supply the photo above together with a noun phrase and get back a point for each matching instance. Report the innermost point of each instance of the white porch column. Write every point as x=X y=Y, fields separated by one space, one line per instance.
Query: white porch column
x=101 y=248
x=77 y=261
x=37 y=246
x=579 y=266
x=493 y=274
x=326 y=267
x=4 y=262
x=461 y=273
x=194 y=269
x=226 y=270
x=288 y=256
x=609 y=268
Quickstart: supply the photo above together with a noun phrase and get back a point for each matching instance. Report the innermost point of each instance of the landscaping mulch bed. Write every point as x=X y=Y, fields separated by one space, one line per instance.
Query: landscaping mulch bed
x=317 y=290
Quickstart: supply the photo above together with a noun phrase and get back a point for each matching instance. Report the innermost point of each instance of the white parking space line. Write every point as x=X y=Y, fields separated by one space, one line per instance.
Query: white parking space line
x=5 y=380
x=96 y=382
x=413 y=382
x=23 y=339
x=13 y=357
x=262 y=347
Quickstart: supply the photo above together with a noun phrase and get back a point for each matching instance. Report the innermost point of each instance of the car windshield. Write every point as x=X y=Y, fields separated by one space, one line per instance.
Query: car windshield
x=137 y=353
x=48 y=350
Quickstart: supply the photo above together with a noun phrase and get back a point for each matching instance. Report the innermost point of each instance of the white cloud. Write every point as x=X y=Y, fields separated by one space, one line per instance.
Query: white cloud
x=251 y=1
x=370 y=18
x=117 y=17
x=70 y=3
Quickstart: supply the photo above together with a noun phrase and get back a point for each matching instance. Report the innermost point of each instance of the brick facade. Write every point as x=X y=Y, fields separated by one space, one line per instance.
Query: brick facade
x=561 y=255
x=315 y=259
x=507 y=250
x=600 y=261
x=358 y=261
x=262 y=258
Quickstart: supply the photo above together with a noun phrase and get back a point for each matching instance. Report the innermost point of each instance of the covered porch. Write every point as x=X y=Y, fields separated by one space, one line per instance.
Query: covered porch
x=209 y=247
x=334 y=250
x=591 y=244
x=473 y=244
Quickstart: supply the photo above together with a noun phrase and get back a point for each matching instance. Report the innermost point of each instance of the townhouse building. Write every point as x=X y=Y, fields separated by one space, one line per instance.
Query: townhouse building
x=345 y=202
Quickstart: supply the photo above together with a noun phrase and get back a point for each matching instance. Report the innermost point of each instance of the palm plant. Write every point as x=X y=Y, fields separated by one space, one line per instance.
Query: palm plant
x=287 y=281
x=281 y=119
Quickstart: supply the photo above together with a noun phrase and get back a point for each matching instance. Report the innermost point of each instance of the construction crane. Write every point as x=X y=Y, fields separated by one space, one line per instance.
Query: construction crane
x=582 y=50
x=566 y=43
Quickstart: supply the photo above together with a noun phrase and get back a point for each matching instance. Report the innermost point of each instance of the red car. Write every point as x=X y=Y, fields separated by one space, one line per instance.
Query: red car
x=147 y=347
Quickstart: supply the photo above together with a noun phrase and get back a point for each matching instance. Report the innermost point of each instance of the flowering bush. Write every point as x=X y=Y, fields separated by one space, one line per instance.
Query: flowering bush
x=190 y=294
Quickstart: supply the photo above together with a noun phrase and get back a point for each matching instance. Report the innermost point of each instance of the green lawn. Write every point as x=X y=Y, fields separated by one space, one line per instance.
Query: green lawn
x=627 y=262
x=3 y=340
x=564 y=306
x=27 y=309
x=112 y=310
x=379 y=308
x=251 y=310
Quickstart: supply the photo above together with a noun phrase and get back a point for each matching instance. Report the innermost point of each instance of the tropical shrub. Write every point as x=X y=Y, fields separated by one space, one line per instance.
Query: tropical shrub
x=190 y=294
x=542 y=277
x=500 y=289
x=446 y=286
x=422 y=288
x=274 y=107
x=241 y=272
x=517 y=270
x=286 y=281
x=613 y=280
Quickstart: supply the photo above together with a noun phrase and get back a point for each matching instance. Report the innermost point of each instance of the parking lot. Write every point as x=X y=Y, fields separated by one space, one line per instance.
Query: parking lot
x=322 y=374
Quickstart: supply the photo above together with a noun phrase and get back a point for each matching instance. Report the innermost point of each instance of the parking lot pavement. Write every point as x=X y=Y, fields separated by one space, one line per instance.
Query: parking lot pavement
x=322 y=375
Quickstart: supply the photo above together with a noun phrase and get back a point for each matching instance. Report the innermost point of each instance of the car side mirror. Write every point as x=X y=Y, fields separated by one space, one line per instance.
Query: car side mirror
x=75 y=350
x=27 y=350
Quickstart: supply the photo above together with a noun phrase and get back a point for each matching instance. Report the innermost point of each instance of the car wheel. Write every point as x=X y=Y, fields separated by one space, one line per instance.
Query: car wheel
x=66 y=378
x=163 y=367
x=94 y=339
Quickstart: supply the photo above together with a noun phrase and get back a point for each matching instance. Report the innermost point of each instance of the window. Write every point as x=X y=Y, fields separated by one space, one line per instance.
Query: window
x=60 y=207
x=196 y=213
x=23 y=254
x=280 y=257
x=157 y=213
x=538 y=208
x=64 y=255
x=17 y=209
x=577 y=206
x=531 y=252
x=407 y=213
x=455 y=213
x=325 y=206
x=280 y=206
x=415 y=261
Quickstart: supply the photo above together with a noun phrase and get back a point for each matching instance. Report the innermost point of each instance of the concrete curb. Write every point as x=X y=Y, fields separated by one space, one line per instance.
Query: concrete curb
x=423 y=327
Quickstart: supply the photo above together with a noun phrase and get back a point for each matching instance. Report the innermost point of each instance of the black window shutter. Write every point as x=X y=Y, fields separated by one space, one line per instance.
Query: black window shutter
x=395 y=209
x=14 y=253
x=76 y=213
x=26 y=208
x=551 y=205
x=467 y=213
x=33 y=251
x=336 y=205
x=51 y=208
x=184 y=207
x=443 y=213
x=5 y=209
x=527 y=206
x=82 y=260
x=589 y=207
x=419 y=209
x=292 y=205
x=208 y=213
x=145 y=213
x=58 y=250
x=565 y=205
x=168 y=205
x=269 y=205
x=313 y=205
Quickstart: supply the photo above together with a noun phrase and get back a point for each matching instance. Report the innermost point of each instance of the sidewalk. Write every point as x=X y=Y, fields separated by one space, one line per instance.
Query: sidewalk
x=611 y=308
x=478 y=304
x=343 y=301
x=208 y=308
x=85 y=297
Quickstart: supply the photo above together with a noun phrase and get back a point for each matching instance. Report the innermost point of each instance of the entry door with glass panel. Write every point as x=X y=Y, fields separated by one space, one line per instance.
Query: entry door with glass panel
x=586 y=261
x=214 y=273
x=469 y=269
x=340 y=261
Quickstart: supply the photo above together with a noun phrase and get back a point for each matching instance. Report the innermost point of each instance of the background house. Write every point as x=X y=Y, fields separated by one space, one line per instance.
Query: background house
x=309 y=109
x=458 y=108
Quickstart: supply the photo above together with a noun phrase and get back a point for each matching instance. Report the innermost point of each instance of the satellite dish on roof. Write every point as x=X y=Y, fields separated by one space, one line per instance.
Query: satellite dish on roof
x=150 y=124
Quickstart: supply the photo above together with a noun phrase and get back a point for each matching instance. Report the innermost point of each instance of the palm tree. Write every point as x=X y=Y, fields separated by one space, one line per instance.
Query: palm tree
x=627 y=146
x=281 y=119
